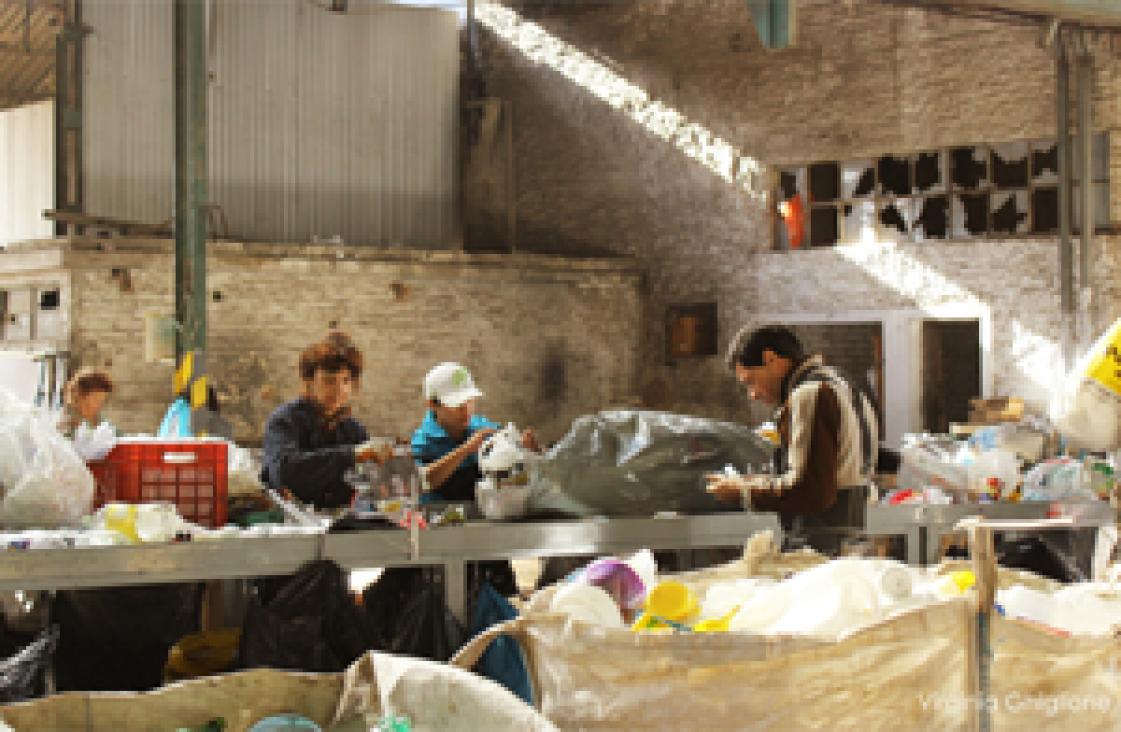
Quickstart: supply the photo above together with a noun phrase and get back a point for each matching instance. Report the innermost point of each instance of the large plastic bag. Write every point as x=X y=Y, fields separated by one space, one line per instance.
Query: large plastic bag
x=20 y=674
x=638 y=463
x=310 y=624
x=54 y=487
x=16 y=447
x=1087 y=405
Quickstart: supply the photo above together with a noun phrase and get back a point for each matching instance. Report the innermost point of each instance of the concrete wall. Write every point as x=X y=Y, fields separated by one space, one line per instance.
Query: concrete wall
x=864 y=79
x=547 y=339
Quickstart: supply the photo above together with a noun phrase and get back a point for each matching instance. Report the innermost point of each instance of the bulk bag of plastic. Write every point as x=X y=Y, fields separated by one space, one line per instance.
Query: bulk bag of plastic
x=911 y=671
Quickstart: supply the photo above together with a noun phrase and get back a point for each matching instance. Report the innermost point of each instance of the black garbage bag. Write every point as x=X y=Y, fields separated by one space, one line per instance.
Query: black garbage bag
x=385 y=600
x=21 y=674
x=426 y=628
x=311 y=624
x=117 y=639
x=1035 y=554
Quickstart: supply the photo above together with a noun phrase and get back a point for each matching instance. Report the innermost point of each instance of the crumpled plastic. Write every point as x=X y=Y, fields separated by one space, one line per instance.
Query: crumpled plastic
x=46 y=483
x=638 y=463
x=243 y=473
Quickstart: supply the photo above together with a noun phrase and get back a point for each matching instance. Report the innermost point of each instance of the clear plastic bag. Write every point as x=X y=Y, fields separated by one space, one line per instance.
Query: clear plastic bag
x=55 y=487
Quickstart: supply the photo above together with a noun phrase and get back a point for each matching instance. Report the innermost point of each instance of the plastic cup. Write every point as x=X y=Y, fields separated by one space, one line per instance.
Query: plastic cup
x=617 y=579
x=671 y=600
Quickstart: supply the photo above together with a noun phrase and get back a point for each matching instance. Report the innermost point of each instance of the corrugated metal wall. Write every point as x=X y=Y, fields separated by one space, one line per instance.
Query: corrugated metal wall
x=322 y=124
x=26 y=172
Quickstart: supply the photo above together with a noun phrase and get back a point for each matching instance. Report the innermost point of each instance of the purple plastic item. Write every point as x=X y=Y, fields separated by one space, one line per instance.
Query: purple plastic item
x=617 y=579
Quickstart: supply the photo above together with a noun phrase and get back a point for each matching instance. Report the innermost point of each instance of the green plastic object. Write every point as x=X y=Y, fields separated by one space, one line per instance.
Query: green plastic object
x=260 y=517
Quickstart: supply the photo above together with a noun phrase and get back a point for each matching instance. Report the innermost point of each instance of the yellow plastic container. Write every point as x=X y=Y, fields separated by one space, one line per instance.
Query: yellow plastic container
x=672 y=601
x=121 y=517
x=963 y=580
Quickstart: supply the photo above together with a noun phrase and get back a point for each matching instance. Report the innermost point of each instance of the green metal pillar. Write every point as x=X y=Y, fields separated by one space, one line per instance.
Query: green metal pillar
x=774 y=19
x=190 y=199
x=68 y=195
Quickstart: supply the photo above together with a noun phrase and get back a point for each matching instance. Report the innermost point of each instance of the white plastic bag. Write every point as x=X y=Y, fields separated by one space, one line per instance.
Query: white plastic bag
x=16 y=447
x=1087 y=406
x=55 y=489
x=243 y=472
x=94 y=444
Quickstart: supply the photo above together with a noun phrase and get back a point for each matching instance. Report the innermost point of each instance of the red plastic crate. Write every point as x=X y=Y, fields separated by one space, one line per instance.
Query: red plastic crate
x=192 y=475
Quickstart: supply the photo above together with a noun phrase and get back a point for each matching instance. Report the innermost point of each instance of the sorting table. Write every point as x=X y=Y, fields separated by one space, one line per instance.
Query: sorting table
x=451 y=547
x=923 y=526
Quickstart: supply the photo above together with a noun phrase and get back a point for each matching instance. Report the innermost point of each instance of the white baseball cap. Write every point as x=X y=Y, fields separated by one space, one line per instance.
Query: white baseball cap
x=450 y=384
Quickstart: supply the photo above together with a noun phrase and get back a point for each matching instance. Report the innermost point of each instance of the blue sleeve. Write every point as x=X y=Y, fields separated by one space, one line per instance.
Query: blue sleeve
x=306 y=473
x=422 y=449
x=479 y=422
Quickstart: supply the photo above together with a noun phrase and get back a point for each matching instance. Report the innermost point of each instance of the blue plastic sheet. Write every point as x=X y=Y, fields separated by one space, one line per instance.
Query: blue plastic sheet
x=503 y=660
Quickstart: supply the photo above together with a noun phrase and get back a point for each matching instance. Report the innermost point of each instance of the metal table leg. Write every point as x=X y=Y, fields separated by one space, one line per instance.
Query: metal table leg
x=934 y=534
x=455 y=589
x=914 y=545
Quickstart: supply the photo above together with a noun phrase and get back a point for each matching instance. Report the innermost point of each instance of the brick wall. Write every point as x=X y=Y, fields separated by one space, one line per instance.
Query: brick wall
x=548 y=339
x=864 y=79
x=847 y=346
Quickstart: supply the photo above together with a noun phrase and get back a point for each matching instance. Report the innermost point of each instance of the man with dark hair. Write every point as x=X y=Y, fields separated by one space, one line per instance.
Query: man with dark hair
x=311 y=442
x=827 y=428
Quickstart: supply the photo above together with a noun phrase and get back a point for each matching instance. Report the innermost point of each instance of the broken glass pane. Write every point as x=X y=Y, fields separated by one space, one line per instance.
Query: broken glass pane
x=970 y=167
x=792 y=181
x=969 y=215
x=858 y=179
x=860 y=222
x=1045 y=210
x=790 y=230
x=933 y=218
x=895 y=175
x=1045 y=163
x=824 y=228
x=930 y=172
x=825 y=183
x=895 y=219
x=1010 y=165
x=1010 y=212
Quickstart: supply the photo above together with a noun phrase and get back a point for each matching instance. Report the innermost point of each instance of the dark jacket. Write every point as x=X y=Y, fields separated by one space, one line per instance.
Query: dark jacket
x=308 y=458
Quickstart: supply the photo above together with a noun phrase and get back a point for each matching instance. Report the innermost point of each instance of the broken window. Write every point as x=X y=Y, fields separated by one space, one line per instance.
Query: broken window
x=1045 y=210
x=17 y=315
x=825 y=182
x=860 y=222
x=858 y=179
x=969 y=215
x=895 y=219
x=930 y=172
x=894 y=175
x=1010 y=165
x=791 y=229
x=933 y=219
x=1009 y=212
x=824 y=228
x=970 y=167
x=1045 y=163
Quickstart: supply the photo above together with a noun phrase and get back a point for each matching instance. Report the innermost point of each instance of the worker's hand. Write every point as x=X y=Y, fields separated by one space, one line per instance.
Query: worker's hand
x=477 y=440
x=733 y=488
x=529 y=440
x=727 y=488
x=378 y=449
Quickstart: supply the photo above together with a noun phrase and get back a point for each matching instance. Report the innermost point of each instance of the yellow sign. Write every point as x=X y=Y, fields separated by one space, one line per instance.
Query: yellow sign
x=1105 y=366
